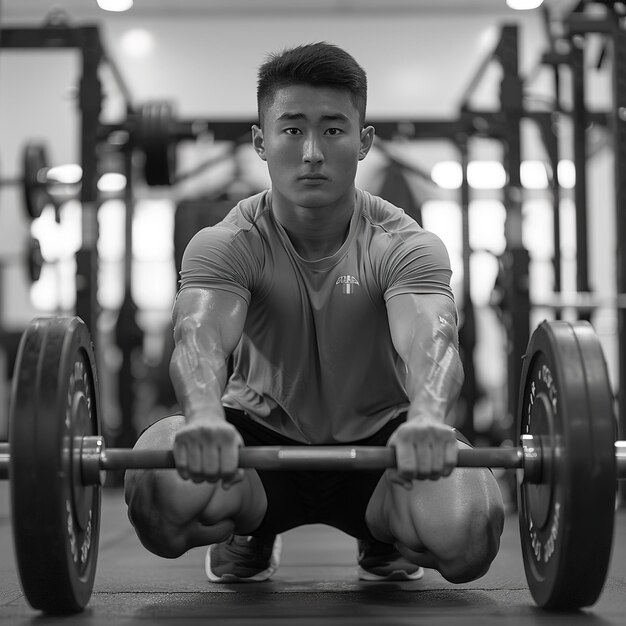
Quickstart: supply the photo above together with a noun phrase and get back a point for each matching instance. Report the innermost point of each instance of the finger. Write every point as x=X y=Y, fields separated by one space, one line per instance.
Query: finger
x=229 y=460
x=438 y=457
x=395 y=478
x=424 y=455
x=210 y=462
x=238 y=476
x=180 y=458
x=195 y=463
x=406 y=460
x=451 y=455
x=235 y=474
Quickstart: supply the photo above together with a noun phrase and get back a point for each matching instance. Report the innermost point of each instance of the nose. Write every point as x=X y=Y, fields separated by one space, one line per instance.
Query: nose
x=311 y=150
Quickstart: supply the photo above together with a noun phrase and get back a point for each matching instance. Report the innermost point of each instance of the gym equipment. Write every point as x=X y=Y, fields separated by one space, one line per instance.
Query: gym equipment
x=568 y=464
x=35 y=165
x=156 y=138
x=31 y=259
x=56 y=516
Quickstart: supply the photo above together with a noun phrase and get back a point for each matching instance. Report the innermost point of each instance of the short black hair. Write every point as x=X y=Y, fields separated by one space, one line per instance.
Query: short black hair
x=319 y=64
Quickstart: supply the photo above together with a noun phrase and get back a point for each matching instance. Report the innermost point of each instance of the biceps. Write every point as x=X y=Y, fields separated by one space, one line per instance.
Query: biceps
x=215 y=315
x=421 y=320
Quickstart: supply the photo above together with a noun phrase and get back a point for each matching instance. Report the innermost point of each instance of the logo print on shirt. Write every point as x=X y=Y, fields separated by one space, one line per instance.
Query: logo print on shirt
x=347 y=283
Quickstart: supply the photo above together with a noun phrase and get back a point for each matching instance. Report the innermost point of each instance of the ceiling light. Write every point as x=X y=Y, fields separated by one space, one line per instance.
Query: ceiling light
x=524 y=5
x=115 y=5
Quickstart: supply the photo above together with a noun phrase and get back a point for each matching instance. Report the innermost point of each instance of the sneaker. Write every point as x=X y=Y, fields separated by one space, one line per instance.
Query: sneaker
x=381 y=561
x=243 y=559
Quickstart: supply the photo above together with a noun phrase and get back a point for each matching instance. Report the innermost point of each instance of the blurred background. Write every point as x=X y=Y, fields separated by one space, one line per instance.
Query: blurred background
x=125 y=129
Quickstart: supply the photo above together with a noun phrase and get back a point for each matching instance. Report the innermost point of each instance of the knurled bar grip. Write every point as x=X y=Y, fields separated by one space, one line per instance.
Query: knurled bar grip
x=309 y=458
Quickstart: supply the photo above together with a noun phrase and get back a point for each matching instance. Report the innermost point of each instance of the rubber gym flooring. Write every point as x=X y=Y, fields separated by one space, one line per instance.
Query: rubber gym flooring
x=315 y=585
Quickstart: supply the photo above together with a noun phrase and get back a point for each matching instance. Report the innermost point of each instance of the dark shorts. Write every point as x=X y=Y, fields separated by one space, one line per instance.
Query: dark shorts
x=296 y=498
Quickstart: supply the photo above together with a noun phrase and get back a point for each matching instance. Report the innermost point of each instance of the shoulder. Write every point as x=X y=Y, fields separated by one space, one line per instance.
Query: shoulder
x=235 y=227
x=391 y=226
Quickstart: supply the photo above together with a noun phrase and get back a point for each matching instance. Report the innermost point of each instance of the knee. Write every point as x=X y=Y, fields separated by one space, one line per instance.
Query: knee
x=476 y=545
x=155 y=532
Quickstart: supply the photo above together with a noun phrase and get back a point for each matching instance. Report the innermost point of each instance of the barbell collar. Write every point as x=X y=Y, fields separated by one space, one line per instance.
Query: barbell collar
x=91 y=452
x=620 y=458
x=5 y=459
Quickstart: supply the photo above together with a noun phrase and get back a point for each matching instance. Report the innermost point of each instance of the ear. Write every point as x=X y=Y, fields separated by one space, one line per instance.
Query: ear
x=257 y=141
x=367 y=139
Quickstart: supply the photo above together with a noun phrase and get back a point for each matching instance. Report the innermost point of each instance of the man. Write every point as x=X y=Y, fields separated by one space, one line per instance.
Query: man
x=338 y=311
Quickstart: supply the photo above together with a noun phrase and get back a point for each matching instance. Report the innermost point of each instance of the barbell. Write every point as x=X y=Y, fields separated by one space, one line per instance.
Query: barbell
x=568 y=463
x=153 y=132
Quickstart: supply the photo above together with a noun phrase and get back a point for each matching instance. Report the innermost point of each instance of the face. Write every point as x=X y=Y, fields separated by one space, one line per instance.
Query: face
x=312 y=142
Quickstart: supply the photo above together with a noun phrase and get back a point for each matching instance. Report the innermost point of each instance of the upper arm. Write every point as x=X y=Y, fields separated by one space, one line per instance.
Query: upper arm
x=219 y=315
x=421 y=317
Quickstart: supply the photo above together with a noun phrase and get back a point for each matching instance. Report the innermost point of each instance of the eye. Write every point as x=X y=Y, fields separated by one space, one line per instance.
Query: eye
x=333 y=132
x=292 y=131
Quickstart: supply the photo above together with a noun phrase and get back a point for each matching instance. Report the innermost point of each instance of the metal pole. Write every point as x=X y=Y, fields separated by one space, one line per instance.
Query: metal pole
x=516 y=256
x=467 y=331
x=90 y=106
x=580 y=124
x=619 y=138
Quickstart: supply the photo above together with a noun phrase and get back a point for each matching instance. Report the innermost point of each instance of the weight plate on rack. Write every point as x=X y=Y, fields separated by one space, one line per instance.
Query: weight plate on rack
x=34 y=163
x=157 y=140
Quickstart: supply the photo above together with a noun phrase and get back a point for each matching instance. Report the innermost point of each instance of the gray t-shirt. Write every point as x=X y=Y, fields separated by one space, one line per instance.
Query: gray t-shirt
x=316 y=361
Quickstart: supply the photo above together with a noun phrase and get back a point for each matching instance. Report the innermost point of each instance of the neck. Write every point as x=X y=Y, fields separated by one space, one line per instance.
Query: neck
x=315 y=232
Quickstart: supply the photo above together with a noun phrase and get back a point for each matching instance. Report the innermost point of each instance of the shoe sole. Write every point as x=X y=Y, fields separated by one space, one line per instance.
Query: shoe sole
x=396 y=575
x=256 y=578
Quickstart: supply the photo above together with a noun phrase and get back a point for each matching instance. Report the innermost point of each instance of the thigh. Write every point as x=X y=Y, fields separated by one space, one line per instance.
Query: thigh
x=435 y=513
x=163 y=495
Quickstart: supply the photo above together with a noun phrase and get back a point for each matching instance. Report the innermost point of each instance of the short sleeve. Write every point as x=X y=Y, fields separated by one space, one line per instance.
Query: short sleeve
x=416 y=262
x=216 y=258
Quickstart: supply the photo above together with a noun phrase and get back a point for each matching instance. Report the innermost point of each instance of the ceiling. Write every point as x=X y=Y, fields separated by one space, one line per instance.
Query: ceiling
x=16 y=9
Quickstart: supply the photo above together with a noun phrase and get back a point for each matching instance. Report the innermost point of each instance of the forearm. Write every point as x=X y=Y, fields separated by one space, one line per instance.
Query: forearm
x=198 y=369
x=435 y=373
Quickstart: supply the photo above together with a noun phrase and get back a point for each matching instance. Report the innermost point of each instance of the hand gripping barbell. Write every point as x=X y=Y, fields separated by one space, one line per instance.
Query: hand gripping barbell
x=568 y=464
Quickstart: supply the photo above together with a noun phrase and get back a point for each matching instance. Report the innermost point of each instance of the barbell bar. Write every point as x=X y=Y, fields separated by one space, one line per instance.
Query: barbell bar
x=95 y=458
x=568 y=464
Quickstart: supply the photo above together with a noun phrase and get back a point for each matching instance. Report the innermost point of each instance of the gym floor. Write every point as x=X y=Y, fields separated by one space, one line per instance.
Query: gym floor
x=316 y=581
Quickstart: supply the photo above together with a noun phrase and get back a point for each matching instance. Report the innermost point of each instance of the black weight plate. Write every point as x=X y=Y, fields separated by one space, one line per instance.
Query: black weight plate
x=35 y=260
x=566 y=522
x=34 y=162
x=56 y=520
x=158 y=143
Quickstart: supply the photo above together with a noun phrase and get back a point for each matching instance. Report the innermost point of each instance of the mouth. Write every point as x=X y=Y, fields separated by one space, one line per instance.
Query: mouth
x=312 y=178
